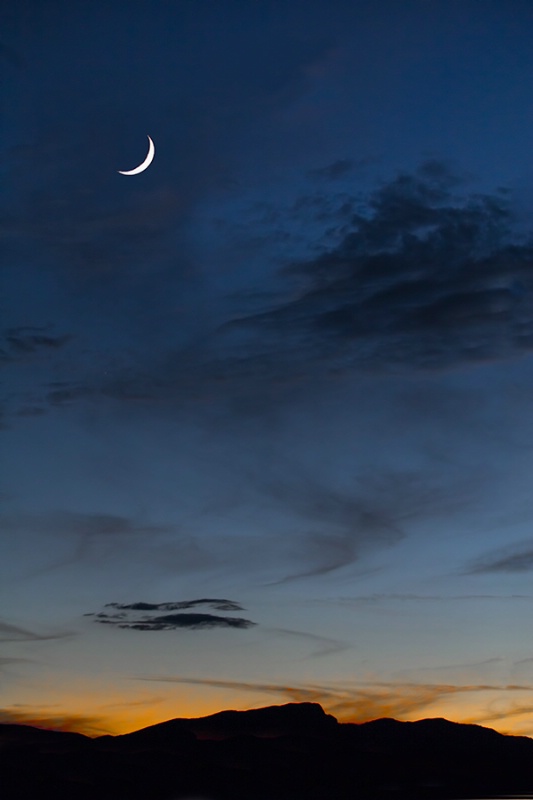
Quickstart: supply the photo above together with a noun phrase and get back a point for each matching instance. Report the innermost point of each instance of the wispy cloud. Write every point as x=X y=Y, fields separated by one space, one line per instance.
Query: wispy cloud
x=357 y=703
x=87 y=531
x=72 y=723
x=14 y=633
x=383 y=597
x=513 y=558
x=83 y=523
x=6 y=661
x=342 y=524
x=25 y=341
x=324 y=645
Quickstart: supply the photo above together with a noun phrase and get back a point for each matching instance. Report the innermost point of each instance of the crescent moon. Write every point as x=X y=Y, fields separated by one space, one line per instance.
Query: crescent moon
x=145 y=164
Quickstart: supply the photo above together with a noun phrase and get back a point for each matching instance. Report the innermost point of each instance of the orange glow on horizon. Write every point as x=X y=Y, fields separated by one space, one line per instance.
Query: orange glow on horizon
x=508 y=712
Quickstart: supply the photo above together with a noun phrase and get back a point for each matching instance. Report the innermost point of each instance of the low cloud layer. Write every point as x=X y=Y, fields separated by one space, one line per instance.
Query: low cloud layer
x=122 y=616
x=358 y=703
x=68 y=723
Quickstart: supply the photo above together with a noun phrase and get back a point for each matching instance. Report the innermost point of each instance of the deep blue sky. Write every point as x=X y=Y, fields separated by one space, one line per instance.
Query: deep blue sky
x=278 y=387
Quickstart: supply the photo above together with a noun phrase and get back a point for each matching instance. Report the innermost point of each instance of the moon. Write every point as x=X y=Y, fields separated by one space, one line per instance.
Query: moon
x=145 y=164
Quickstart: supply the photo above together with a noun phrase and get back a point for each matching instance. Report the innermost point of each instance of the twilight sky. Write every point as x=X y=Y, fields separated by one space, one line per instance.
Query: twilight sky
x=267 y=407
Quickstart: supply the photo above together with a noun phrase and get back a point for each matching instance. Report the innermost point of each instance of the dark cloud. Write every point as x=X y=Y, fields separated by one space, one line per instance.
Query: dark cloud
x=24 y=341
x=422 y=277
x=170 y=622
x=218 y=604
x=415 y=275
x=517 y=558
x=122 y=618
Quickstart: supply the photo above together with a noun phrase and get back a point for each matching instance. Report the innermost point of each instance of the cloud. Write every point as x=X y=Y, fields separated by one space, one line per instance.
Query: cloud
x=421 y=277
x=25 y=341
x=69 y=723
x=416 y=275
x=508 y=711
x=89 y=536
x=326 y=646
x=5 y=661
x=218 y=604
x=359 y=703
x=170 y=622
x=14 y=633
x=382 y=597
x=81 y=523
x=342 y=524
x=517 y=558
x=122 y=618
x=324 y=529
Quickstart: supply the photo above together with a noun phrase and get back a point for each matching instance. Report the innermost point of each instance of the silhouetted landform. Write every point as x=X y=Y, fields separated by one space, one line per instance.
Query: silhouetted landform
x=290 y=752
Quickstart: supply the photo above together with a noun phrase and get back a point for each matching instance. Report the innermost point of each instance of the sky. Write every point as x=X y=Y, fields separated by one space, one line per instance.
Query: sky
x=266 y=407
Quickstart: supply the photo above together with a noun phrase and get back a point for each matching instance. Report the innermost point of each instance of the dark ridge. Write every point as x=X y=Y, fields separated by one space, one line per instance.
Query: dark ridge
x=28 y=734
x=272 y=721
x=290 y=752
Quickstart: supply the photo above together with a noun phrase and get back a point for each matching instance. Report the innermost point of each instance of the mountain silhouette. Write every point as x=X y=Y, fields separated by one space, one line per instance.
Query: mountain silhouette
x=273 y=721
x=289 y=752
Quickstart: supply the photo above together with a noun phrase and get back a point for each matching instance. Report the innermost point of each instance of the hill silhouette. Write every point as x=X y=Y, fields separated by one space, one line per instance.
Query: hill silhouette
x=289 y=752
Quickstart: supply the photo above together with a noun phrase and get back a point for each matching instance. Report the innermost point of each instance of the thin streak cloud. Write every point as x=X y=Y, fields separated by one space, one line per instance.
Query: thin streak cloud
x=357 y=703
x=15 y=633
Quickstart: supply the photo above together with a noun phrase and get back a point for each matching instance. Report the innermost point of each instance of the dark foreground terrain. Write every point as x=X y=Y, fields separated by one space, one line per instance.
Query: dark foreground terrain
x=290 y=752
